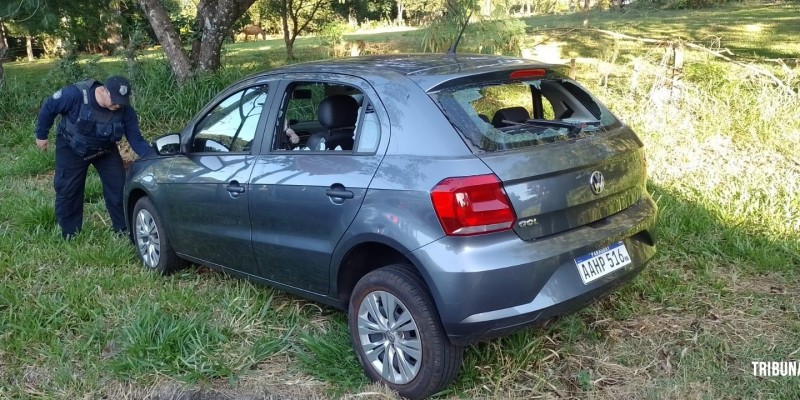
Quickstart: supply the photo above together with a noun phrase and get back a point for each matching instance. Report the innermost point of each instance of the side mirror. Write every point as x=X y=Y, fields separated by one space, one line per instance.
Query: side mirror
x=167 y=145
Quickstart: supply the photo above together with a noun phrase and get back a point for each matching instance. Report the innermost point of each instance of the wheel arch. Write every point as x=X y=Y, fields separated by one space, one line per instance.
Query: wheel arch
x=365 y=257
x=133 y=197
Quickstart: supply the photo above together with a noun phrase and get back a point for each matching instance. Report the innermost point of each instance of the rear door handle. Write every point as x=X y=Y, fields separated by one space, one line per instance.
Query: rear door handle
x=340 y=193
x=234 y=187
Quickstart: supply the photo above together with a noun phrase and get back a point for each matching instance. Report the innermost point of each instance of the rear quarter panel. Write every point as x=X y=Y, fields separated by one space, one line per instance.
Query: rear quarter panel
x=423 y=149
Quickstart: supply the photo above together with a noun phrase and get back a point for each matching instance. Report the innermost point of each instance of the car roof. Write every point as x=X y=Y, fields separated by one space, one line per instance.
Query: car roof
x=427 y=70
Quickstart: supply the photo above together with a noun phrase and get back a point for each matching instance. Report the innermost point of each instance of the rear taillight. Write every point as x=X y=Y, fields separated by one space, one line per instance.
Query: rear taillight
x=472 y=205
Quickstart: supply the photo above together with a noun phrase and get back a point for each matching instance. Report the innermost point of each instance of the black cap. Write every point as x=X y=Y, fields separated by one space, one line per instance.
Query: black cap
x=120 y=89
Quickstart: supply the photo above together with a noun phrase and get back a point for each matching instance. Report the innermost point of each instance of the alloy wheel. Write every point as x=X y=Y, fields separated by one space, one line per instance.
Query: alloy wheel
x=389 y=337
x=147 y=238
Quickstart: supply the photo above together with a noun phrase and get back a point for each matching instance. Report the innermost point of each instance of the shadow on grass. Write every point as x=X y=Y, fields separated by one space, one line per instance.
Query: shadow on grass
x=690 y=229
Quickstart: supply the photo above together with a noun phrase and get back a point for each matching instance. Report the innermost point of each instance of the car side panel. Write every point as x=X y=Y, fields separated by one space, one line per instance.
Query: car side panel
x=210 y=222
x=398 y=208
x=296 y=224
x=423 y=149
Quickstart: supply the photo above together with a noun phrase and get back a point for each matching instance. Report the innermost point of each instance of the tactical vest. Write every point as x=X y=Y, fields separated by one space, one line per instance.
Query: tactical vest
x=96 y=129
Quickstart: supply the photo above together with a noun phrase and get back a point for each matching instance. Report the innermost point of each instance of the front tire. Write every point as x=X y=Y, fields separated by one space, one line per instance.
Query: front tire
x=151 y=241
x=397 y=334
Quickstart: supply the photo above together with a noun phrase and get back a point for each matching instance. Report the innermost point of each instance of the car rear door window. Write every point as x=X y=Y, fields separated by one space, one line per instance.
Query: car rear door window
x=326 y=117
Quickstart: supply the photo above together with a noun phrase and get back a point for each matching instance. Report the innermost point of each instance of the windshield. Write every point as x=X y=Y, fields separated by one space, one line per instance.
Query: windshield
x=498 y=116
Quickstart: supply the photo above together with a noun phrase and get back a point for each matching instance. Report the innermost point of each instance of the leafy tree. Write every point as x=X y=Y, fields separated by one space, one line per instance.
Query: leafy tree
x=27 y=18
x=213 y=22
x=446 y=27
x=353 y=10
x=295 y=17
x=260 y=14
x=91 y=25
x=424 y=10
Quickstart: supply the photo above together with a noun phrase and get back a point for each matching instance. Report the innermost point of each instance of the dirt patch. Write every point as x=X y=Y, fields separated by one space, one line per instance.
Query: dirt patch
x=31 y=381
x=635 y=357
x=768 y=284
x=241 y=391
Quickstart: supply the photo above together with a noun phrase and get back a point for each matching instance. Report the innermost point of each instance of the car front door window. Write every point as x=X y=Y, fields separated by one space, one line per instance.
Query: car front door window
x=231 y=125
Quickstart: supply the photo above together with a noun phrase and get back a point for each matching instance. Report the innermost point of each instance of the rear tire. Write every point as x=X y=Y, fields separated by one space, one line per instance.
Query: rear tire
x=151 y=241
x=397 y=334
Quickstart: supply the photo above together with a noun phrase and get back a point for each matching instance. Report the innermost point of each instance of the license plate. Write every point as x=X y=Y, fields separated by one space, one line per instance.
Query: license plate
x=602 y=262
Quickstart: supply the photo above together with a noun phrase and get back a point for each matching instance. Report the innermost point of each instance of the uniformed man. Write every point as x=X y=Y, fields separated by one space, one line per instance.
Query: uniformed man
x=94 y=117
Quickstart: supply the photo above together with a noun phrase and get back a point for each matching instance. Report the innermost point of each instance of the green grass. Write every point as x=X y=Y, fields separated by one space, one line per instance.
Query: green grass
x=82 y=319
x=765 y=30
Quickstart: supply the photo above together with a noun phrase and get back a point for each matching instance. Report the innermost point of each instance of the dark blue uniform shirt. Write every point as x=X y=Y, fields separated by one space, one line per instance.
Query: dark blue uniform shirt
x=67 y=102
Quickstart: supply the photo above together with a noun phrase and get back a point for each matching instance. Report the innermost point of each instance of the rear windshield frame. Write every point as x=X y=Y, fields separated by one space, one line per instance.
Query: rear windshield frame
x=456 y=102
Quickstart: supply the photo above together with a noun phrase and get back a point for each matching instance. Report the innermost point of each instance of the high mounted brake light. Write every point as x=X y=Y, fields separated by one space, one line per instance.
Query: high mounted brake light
x=528 y=73
x=472 y=205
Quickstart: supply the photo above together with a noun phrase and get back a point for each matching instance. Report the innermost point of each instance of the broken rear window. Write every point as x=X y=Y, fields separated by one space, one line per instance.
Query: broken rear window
x=497 y=116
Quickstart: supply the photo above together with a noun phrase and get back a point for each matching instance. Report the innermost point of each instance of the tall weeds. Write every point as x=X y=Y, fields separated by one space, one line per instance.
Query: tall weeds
x=727 y=144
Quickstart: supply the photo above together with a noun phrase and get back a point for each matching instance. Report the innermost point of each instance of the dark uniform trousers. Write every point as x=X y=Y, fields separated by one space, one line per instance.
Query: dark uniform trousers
x=70 y=181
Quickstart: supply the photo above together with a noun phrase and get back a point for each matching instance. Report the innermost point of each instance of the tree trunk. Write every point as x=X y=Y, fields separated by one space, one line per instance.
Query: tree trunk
x=207 y=48
x=213 y=22
x=3 y=48
x=168 y=38
x=586 y=13
x=29 y=46
x=487 y=8
x=286 y=39
x=399 y=12
x=290 y=50
x=290 y=33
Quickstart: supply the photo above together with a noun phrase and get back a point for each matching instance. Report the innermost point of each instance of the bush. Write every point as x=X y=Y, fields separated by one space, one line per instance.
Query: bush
x=332 y=32
x=692 y=4
x=16 y=100
x=332 y=35
x=501 y=37
x=69 y=70
x=439 y=36
x=164 y=106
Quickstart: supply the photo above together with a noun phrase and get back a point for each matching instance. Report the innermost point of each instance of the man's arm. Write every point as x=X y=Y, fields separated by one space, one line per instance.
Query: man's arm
x=59 y=103
x=134 y=135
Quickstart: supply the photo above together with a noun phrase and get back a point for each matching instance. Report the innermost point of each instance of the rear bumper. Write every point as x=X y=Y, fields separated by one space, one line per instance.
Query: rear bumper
x=491 y=285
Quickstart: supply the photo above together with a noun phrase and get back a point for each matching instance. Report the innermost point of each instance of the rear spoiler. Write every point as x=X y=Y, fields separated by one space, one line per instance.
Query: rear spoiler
x=517 y=73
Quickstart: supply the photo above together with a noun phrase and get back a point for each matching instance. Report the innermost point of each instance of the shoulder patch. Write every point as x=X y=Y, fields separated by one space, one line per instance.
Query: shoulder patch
x=57 y=95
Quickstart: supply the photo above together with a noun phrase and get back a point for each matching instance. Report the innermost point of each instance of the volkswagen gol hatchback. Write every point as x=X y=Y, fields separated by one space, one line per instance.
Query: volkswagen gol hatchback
x=441 y=200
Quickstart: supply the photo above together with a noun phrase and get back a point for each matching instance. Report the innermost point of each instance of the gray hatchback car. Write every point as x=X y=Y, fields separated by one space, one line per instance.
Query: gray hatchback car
x=441 y=200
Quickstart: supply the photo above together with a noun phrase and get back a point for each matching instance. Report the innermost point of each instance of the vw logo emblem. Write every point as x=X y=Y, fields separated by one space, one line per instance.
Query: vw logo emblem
x=597 y=182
